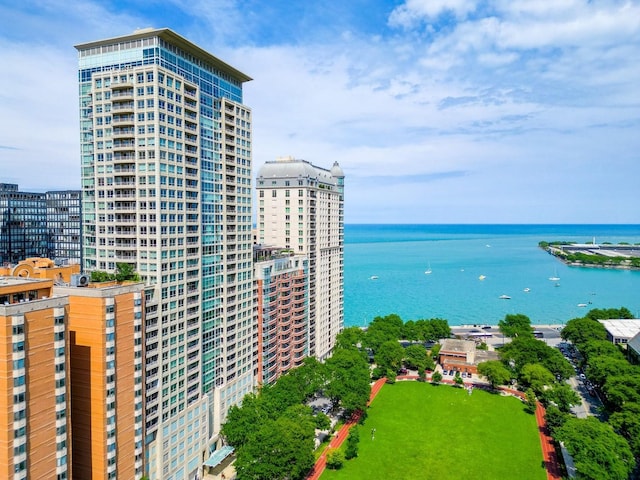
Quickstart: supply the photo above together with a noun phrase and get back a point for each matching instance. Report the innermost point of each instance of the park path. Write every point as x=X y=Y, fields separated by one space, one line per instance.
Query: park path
x=548 y=450
x=341 y=436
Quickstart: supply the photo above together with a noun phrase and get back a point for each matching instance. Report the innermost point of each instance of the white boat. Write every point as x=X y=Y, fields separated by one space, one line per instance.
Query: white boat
x=555 y=277
x=481 y=277
x=527 y=290
x=428 y=270
x=373 y=277
x=582 y=304
x=504 y=297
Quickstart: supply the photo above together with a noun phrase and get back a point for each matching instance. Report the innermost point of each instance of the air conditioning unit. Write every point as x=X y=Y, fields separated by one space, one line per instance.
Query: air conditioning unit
x=79 y=280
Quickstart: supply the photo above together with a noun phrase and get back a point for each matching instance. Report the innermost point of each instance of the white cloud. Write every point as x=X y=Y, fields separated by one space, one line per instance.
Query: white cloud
x=416 y=11
x=513 y=106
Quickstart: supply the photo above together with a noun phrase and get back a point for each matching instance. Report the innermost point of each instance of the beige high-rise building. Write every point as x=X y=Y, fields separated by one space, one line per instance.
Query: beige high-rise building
x=166 y=188
x=301 y=207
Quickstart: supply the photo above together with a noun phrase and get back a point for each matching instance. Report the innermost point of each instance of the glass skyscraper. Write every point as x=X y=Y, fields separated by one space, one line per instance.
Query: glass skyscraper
x=39 y=225
x=166 y=188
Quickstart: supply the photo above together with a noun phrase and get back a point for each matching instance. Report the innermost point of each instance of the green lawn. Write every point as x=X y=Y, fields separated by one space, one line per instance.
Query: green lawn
x=440 y=432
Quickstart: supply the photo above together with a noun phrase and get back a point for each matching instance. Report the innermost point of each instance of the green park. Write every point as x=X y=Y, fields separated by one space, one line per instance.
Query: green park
x=420 y=430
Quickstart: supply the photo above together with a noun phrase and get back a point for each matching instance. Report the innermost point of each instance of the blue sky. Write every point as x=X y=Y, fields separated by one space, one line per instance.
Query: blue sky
x=439 y=111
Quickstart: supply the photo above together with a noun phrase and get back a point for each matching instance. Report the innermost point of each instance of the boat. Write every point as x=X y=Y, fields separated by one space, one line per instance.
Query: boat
x=504 y=297
x=373 y=277
x=428 y=270
x=481 y=277
x=582 y=304
x=555 y=277
x=527 y=290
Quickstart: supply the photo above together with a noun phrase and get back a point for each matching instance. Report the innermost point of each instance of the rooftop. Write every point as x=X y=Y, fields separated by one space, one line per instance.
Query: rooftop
x=454 y=345
x=622 y=328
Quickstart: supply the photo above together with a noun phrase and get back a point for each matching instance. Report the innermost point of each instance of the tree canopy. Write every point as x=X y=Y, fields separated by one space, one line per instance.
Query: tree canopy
x=495 y=371
x=598 y=452
x=515 y=325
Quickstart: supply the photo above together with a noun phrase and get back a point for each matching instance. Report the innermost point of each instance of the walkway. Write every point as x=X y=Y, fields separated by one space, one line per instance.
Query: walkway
x=548 y=450
x=341 y=436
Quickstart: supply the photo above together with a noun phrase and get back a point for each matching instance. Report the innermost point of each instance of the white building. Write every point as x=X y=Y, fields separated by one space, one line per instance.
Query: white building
x=301 y=207
x=166 y=186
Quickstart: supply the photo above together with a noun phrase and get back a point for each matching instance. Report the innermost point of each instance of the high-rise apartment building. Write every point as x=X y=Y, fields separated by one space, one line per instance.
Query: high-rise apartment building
x=39 y=225
x=105 y=324
x=282 y=289
x=34 y=386
x=166 y=188
x=301 y=207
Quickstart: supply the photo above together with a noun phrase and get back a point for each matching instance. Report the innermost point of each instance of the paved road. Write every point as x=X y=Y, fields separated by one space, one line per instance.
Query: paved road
x=551 y=334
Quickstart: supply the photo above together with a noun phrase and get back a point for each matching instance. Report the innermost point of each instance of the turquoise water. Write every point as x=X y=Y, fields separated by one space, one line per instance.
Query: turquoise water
x=507 y=255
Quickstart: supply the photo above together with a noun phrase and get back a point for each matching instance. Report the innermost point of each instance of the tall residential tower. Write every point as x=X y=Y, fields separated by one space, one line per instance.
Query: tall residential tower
x=166 y=185
x=301 y=207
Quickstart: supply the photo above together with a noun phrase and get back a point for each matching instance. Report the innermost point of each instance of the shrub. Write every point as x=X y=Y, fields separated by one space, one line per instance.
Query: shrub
x=335 y=459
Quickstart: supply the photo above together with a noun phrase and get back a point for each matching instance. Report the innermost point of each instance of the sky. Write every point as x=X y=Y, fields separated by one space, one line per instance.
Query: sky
x=438 y=111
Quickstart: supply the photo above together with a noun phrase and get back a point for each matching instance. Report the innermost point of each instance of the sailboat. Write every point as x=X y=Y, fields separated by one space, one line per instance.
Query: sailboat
x=428 y=270
x=555 y=277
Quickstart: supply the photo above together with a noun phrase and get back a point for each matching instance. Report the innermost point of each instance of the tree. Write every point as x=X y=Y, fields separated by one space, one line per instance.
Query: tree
x=389 y=355
x=458 y=379
x=241 y=421
x=627 y=423
x=554 y=418
x=515 y=325
x=335 y=459
x=530 y=401
x=562 y=396
x=436 y=377
x=580 y=330
x=350 y=337
x=323 y=422
x=536 y=376
x=495 y=371
x=351 y=450
x=609 y=313
x=600 y=368
x=433 y=329
x=126 y=271
x=383 y=329
x=597 y=348
x=620 y=389
x=409 y=331
x=526 y=350
x=415 y=357
x=598 y=452
x=281 y=448
x=348 y=379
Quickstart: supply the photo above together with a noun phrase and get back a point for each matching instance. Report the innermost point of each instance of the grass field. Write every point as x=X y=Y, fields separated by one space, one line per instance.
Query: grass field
x=440 y=432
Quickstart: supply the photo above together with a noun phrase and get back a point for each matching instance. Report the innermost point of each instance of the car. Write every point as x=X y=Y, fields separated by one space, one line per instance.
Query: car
x=486 y=327
x=582 y=376
x=402 y=371
x=469 y=375
x=464 y=374
x=452 y=372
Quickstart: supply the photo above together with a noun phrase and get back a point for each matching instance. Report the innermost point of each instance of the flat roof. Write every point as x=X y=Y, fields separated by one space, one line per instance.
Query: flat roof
x=622 y=328
x=455 y=345
x=178 y=40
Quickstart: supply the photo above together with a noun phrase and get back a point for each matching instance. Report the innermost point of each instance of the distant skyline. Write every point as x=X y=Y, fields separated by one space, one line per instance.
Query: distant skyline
x=438 y=111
